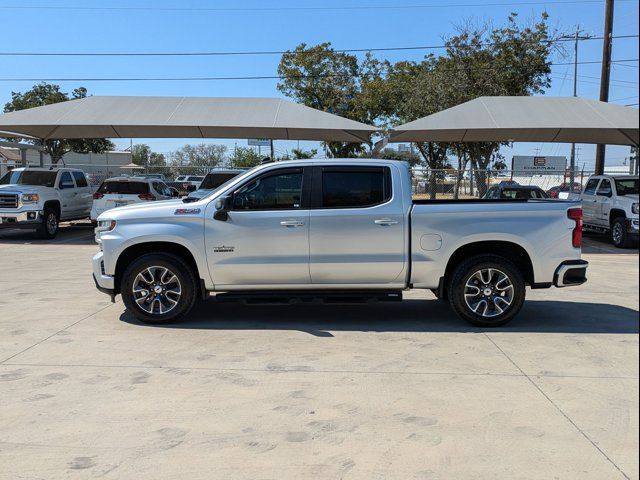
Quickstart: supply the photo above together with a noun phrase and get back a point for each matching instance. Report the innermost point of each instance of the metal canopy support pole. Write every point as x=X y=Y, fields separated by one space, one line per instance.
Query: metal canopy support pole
x=605 y=76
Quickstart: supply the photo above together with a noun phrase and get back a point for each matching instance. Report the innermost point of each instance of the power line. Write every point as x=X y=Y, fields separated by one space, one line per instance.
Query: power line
x=299 y=9
x=256 y=77
x=272 y=52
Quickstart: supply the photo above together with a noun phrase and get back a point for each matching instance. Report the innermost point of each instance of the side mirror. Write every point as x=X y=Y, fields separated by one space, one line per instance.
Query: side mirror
x=223 y=207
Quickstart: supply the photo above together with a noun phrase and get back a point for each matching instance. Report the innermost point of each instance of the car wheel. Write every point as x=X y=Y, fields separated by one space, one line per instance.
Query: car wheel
x=158 y=288
x=48 y=229
x=619 y=236
x=486 y=290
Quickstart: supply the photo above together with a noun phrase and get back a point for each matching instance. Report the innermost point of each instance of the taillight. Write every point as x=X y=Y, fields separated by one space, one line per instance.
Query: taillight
x=575 y=214
x=98 y=196
x=146 y=196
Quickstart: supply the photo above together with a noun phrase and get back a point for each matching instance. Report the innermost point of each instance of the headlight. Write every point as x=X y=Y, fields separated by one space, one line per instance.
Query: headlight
x=106 y=225
x=30 y=198
x=635 y=208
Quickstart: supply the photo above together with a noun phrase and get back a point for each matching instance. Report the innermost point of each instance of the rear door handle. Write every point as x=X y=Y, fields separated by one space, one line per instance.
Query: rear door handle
x=385 y=222
x=292 y=223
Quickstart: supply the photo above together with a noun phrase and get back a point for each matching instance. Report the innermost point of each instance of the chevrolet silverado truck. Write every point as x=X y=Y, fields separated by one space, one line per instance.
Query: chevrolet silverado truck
x=39 y=199
x=610 y=205
x=335 y=230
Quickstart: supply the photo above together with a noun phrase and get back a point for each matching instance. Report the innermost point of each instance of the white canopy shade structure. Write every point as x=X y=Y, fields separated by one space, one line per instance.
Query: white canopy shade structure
x=133 y=166
x=182 y=117
x=526 y=119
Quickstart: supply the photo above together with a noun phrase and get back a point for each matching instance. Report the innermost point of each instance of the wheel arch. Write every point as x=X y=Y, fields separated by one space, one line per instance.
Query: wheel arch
x=509 y=250
x=55 y=204
x=614 y=214
x=134 y=251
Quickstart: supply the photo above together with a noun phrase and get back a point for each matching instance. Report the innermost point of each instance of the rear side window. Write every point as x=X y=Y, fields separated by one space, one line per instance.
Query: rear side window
x=590 y=189
x=355 y=187
x=80 y=180
x=123 y=188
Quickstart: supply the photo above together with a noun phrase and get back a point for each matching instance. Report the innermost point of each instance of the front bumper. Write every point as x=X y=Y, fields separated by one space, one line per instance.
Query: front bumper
x=633 y=226
x=571 y=273
x=24 y=219
x=104 y=283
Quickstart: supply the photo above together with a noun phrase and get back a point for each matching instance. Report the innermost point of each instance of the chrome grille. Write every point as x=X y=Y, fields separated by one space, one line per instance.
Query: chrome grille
x=8 y=200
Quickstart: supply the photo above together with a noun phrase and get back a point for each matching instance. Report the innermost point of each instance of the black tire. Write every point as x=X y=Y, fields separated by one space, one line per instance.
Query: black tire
x=619 y=236
x=490 y=315
x=139 y=303
x=48 y=229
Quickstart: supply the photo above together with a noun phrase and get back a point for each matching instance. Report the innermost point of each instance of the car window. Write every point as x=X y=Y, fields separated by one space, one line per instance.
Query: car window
x=272 y=191
x=123 y=187
x=163 y=188
x=605 y=188
x=66 y=181
x=355 y=187
x=492 y=193
x=30 y=177
x=80 y=180
x=214 y=180
x=627 y=186
x=590 y=189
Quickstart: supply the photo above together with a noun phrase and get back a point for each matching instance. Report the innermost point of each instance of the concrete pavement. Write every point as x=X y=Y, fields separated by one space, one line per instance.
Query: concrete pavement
x=384 y=391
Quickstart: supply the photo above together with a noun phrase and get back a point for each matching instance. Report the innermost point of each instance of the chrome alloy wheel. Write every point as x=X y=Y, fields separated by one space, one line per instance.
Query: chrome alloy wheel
x=488 y=292
x=156 y=290
x=51 y=223
x=617 y=233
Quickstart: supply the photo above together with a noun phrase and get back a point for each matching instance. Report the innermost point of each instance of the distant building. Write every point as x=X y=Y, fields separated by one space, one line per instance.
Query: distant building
x=9 y=159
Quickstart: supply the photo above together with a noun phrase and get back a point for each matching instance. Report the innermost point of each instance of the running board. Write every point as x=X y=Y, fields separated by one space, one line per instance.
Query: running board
x=303 y=297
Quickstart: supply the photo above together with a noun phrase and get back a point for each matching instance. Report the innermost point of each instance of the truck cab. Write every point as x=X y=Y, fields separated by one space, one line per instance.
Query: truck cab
x=39 y=199
x=610 y=204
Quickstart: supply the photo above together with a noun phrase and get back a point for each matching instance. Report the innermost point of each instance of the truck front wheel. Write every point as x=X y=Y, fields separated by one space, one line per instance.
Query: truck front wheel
x=486 y=290
x=158 y=288
x=48 y=229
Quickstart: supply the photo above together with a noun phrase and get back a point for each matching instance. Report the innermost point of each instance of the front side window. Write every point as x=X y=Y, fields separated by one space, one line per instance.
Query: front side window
x=355 y=188
x=66 y=181
x=590 y=189
x=272 y=191
x=605 y=189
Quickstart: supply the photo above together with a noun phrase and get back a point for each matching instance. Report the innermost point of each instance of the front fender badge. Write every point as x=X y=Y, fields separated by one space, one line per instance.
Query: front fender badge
x=187 y=211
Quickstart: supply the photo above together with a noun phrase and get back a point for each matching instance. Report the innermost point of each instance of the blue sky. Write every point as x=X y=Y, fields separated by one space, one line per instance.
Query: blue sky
x=192 y=25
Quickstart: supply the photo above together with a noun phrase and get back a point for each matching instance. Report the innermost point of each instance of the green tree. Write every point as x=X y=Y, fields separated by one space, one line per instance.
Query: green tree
x=47 y=94
x=321 y=78
x=199 y=158
x=299 y=154
x=141 y=154
x=244 y=157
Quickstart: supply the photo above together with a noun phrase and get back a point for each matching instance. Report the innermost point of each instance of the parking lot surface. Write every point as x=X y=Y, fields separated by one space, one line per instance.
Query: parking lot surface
x=391 y=391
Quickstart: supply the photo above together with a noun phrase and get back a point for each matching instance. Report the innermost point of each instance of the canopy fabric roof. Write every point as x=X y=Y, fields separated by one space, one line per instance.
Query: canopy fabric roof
x=182 y=117
x=526 y=119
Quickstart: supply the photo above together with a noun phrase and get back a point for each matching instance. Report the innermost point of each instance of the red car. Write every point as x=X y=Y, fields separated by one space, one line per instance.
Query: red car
x=554 y=192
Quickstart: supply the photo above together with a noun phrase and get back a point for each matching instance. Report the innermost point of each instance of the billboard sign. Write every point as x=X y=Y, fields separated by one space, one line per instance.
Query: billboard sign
x=259 y=142
x=553 y=165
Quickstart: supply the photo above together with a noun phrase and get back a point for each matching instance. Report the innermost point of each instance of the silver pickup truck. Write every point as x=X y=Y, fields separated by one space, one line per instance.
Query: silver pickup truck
x=337 y=230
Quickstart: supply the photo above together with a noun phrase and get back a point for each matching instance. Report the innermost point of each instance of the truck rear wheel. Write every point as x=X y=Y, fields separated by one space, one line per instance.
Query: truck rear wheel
x=48 y=229
x=486 y=290
x=158 y=288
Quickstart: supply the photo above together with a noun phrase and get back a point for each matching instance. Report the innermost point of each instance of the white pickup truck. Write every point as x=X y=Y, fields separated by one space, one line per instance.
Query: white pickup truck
x=340 y=230
x=610 y=205
x=39 y=198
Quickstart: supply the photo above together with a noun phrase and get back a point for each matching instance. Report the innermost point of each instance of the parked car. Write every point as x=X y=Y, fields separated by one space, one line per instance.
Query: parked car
x=120 y=191
x=39 y=199
x=610 y=205
x=564 y=188
x=339 y=229
x=515 y=192
x=507 y=183
x=157 y=176
x=213 y=180
x=190 y=182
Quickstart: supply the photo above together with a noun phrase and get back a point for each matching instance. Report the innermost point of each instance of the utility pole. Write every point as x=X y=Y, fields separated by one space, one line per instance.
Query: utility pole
x=605 y=75
x=576 y=37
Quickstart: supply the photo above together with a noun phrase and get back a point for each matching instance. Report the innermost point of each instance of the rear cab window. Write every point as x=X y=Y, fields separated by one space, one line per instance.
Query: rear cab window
x=123 y=187
x=354 y=187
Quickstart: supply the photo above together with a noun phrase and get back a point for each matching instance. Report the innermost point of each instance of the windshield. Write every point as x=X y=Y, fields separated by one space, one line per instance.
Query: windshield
x=214 y=180
x=627 y=186
x=30 y=177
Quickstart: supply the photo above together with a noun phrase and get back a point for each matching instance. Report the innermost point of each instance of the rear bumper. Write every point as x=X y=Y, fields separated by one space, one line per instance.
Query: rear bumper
x=25 y=219
x=571 y=273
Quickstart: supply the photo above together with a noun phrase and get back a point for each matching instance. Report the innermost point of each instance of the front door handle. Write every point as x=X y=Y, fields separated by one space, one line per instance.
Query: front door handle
x=292 y=223
x=385 y=222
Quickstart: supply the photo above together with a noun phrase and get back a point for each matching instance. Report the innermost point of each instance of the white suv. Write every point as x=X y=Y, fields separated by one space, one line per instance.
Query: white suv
x=121 y=191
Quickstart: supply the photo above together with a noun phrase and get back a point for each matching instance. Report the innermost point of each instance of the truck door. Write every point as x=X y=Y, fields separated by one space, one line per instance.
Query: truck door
x=265 y=237
x=68 y=195
x=357 y=227
x=84 y=195
x=603 y=202
x=589 y=199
